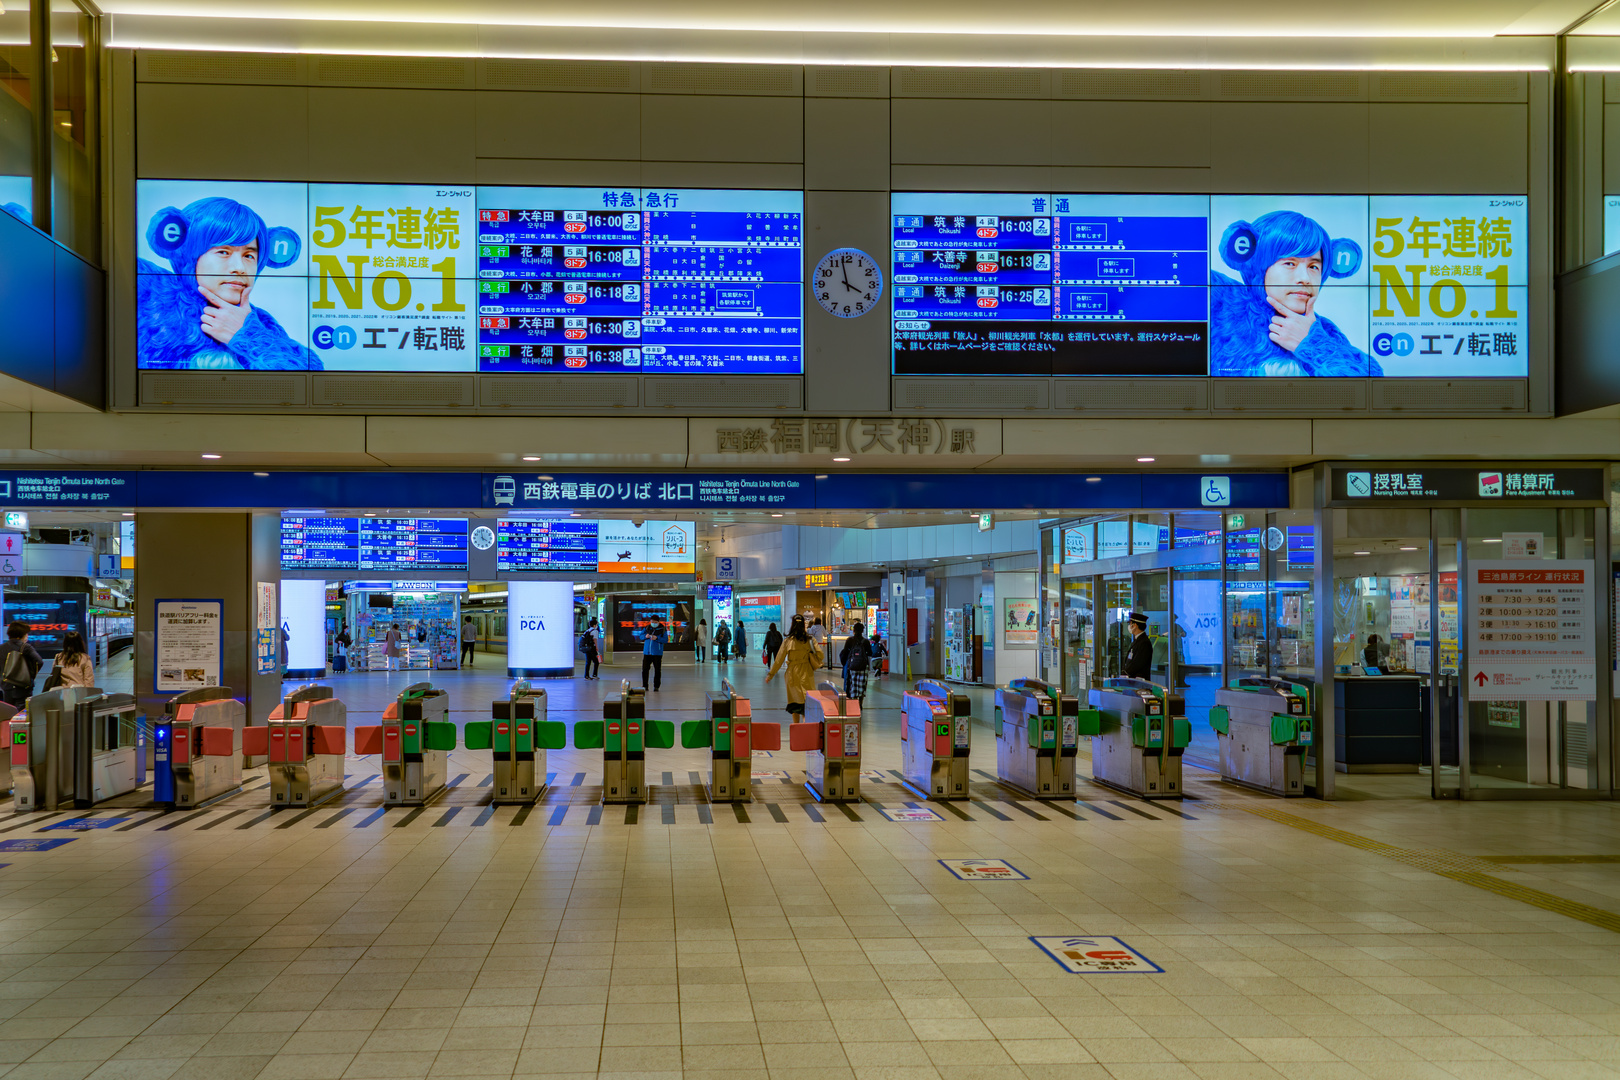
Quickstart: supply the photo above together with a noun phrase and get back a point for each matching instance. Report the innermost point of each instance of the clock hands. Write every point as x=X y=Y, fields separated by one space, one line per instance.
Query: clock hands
x=847 y=285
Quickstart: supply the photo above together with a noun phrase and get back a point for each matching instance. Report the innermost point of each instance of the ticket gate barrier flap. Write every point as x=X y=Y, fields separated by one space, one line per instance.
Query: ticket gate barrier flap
x=833 y=768
x=1143 y=733
x=205 y=745
x=305 y=741
x=731 y=733
x=417 y=737
x=514 y=738
x=1267 y=732
x=935 y=741
x=368 y=739
x=659 y=734
x=624 y=745
x=1038 y=734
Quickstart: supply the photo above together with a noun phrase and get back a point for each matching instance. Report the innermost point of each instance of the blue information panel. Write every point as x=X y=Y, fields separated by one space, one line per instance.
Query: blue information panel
x=598 y=279
x=989 y=284
x=373 y=543
x=546 y=545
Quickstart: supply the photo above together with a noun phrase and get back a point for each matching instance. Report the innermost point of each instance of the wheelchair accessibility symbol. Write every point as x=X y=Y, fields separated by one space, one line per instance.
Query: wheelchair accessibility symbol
x=1216 y=490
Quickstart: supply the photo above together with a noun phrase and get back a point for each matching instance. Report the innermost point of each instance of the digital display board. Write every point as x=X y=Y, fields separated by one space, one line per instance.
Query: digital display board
x=603 y=547
x=545 y=545
x=318 y=542
x=1293 y=286
x=237 y=275
x=49 y=616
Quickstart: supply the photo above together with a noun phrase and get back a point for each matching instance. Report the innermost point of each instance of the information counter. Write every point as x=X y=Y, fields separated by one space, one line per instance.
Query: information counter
x=1382 y=723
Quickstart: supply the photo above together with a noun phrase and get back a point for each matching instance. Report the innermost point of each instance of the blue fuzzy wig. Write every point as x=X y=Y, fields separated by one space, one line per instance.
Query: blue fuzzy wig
x=181 y=236
x=1284 y=234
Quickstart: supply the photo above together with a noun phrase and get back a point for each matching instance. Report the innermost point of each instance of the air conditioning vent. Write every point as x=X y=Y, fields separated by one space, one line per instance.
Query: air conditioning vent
x=541 y=392
x=711 y=394
x=972 y=396
x=1133 y=395
x=1290 y=395
x=972 y=82
x=583 y=75
x=195 y=388
x=1292 y=85
x=402 y=392
x=1079 y=83
x=853 y=81
x=677 y=78
x=1450 y=395
x=443 y=73
x=282 y=69
x=1449 y=86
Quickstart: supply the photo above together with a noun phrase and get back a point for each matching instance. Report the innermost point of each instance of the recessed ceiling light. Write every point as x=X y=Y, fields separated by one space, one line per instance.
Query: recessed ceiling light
x=261 y=474
x=840 y=459
x=1093 y=479
x=1145 y=460
x=531 y=457
x=1494 y=541
x=821 y=476
x=1361 y=553
x=128 y=513
x=776 y=515
x=211 y=457
x=545 y=477
x=1405 y=547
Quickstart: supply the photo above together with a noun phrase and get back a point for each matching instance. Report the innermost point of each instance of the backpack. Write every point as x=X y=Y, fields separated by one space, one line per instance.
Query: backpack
x=860 y=653
x=16 y=669
x=587 y=642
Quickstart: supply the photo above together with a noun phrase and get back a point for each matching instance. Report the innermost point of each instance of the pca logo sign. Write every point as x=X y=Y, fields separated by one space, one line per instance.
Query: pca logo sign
x=1490 y=484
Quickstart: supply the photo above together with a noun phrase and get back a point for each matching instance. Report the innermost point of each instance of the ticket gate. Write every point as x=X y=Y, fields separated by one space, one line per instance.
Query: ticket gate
x=1143 y=733
x=305 y=741
x=623 y=735
x=732 y=736
x=197 y=748
x=1038 y=730
x=1264 y=728
x=936 y=733
x=517 y=736
x=830 y=737
x=74 y=747
x=417 y=737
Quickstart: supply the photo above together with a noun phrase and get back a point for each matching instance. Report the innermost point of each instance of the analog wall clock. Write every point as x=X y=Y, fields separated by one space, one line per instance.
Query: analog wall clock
x=847 y=282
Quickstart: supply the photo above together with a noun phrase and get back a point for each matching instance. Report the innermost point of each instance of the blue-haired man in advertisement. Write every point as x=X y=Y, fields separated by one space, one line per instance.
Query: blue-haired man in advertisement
x=200 y=315
x=1267 y=325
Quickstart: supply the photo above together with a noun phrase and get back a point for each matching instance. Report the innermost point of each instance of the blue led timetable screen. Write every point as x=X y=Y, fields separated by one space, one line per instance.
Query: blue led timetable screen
x=318 y=542
x=420 y=278
x=1295 y=286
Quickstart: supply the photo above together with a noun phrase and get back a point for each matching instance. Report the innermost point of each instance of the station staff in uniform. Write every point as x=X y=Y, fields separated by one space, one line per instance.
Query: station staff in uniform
x=1139 y=660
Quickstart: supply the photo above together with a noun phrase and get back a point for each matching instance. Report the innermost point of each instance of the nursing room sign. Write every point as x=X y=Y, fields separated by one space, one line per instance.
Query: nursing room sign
x=1530 y=637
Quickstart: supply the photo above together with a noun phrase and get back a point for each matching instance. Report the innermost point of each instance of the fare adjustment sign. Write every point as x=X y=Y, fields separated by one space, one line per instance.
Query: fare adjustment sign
x=1531 y=636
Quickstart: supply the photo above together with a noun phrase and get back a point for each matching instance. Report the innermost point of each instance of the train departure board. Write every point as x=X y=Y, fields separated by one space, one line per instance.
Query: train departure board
x=1050 y=284
x=660 y=281
x=373 y=543
x=545 y=545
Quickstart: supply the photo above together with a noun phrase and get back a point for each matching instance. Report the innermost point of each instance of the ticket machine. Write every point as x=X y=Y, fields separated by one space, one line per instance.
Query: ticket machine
x=1265 y=729
x=200 y=736
x=1143 y=733
x=936 y=732
x=1038 y=730
x=417 y=737
x=74 y=747
x=305 y=740
x=518 y=735
x=830 y=737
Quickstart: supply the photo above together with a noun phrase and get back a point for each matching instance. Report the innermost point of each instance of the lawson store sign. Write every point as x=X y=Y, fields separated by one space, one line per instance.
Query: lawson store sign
x=517 y=491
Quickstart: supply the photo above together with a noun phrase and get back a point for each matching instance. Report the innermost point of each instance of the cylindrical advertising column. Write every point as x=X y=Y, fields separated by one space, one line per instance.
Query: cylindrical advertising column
x=540 y=629
x=303 y=617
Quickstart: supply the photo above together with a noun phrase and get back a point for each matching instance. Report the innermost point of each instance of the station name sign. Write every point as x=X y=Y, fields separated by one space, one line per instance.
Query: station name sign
x=1475 y=484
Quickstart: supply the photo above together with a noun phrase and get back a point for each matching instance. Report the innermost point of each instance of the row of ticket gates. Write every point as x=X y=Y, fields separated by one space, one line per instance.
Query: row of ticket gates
x=74 y=748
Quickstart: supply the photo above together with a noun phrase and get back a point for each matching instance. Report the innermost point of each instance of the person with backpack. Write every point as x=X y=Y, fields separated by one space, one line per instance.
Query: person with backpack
x=19 y=664
x=856 y=656
x=722 y=642
x=340 y=655
x=592 y=650
x=880 y=653
x=773 y=643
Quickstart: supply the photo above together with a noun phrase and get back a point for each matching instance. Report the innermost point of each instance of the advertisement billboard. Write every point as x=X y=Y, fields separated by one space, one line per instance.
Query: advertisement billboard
x=539 y=629
x=236 y=275
x=648 y=547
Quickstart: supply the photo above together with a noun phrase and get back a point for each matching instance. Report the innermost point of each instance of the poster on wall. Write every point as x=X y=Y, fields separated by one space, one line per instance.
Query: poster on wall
x=1019 y=620
x=187 y=645
x=265 y=626
x=1530 y=636
x=758 y=612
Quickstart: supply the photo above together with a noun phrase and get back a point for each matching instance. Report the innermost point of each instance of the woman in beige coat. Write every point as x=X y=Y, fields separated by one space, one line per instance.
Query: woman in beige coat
x=802 y=657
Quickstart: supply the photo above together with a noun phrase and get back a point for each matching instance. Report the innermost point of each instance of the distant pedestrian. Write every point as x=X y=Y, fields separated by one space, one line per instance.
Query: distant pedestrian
x=392 y=647
x=652 y=654
x=469 y=639
x=802 y=656
x=773 y=642
x=19 y=664
x=722 y=642
x=856 y=656
x=592 y=649
x=700 y=639
x=739 y=640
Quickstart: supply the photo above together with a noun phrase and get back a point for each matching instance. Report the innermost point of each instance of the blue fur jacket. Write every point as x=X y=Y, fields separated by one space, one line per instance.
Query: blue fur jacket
x=169 y=331
x=1240 y=340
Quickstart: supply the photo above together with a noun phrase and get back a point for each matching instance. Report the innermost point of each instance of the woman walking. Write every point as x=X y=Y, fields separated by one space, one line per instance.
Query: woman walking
x=802 y=657
x=391 y=647
x=773 y=642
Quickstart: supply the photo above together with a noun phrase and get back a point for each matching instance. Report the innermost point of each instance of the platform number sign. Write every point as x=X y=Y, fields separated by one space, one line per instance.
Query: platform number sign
x=1096 y=956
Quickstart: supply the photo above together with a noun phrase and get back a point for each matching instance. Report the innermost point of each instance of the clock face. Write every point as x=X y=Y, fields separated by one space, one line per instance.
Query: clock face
x=483 y=538
x=847 y=283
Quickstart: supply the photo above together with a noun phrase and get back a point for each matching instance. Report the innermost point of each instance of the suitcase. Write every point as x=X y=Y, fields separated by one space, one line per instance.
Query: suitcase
x=340 y=663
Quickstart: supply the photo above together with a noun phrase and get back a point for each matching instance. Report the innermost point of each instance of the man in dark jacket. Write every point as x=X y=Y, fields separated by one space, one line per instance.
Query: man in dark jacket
x=1139 y=660
x=17 y=675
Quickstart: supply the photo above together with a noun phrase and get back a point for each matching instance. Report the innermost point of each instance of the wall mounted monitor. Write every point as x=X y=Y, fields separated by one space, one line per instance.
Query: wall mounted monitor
x=1283 y=286
x=237 y=275
x=603 y=547
x=318 y=542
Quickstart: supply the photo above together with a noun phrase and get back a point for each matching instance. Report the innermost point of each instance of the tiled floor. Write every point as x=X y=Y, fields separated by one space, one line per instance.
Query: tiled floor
x=239 y=944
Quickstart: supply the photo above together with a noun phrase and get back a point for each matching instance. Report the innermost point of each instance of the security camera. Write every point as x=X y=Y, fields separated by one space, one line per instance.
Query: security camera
x=636 y=523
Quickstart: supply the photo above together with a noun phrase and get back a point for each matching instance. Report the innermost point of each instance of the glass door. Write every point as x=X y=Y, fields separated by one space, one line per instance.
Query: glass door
x=1117 y=600
x=1195 y=651
x=1079 y=636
